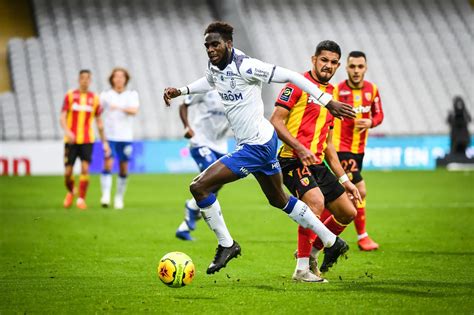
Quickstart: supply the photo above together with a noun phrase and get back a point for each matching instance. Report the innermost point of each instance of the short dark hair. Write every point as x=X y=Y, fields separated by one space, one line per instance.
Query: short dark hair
x=119 y=69
x=328 y=45
x=357 y=54
x=224 y=29
x=85 y=71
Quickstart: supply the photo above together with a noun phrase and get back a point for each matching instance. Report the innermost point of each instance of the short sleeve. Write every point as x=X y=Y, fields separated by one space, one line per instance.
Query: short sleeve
x=188 y=100
x=103 y=99
x=66 y=104
x=134 y=99
x=288 y=96
x=254 y=70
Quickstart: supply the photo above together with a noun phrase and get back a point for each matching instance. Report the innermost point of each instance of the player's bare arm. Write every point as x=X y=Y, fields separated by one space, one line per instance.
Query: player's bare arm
x=183 y=114
x=278 y=121
x=333 y=160
x=69 y=134
x=100 y=128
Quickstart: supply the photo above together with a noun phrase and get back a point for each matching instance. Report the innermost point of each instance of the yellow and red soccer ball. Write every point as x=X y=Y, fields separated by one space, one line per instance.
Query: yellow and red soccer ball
x=176 y=270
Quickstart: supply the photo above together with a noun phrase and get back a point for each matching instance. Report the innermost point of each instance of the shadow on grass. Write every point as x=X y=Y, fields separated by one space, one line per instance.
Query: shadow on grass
x=436 y=253
x=405 y=288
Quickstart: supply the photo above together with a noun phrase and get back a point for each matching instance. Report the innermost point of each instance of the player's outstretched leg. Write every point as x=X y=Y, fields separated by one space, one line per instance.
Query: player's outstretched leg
x=299 y=212
x=69 y=182
x=201 y=188
x=191 y=215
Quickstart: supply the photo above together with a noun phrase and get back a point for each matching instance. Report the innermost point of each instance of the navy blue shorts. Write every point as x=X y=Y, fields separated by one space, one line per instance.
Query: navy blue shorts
x=204 y=157
x=121 y=150
x=254 y=158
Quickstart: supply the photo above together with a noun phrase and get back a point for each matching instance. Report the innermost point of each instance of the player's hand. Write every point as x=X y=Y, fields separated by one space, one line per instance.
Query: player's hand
x=353 y=192
x=71 y=138
x=106 y=148
x=306 y=156
x=188 y=133
x=340 y=110
x=170 y=93
x=363 y=124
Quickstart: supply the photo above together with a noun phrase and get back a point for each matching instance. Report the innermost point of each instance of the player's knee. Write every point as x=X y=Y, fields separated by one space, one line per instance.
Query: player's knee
x=197 y=188
x=348 y=215
x=316 y=205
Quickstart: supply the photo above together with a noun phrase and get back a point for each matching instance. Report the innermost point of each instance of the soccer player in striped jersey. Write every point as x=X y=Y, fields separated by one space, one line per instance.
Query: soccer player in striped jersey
x=80 y=108
x=350 y=136
x=238 y=79
x=120 y=106
x=306 y=132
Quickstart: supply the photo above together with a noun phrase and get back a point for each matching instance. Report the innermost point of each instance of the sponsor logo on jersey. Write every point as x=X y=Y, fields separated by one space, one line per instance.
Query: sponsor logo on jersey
x=249 y=71
x=362 y=109
x=286 y=94
x=275 y=165
x=304 y=181
x=344 y=92
x=232 y=83
x=229 y=96
x=261 y=73
x=81 y=108
x=368 y=96
x=222 y=77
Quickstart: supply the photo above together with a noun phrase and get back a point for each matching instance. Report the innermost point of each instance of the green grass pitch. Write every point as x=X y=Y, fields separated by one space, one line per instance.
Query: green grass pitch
x=103 y=260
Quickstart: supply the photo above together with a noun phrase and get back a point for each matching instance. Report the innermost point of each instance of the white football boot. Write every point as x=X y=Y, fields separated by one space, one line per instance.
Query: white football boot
x=307 y=276
x=118 y=202
x=105 y=201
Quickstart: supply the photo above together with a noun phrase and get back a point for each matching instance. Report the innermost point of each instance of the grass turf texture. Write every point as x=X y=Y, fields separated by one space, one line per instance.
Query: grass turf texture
x=57 y=260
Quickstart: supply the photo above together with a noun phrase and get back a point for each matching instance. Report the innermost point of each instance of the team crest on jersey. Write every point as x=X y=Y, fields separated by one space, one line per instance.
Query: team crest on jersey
x=232 y=83
x=304 y=181
x=249 y=71
x=286 y=94
x=368 y=96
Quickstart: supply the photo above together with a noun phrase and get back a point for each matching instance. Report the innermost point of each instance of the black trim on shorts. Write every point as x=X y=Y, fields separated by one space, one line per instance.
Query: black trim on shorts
x=300 y=179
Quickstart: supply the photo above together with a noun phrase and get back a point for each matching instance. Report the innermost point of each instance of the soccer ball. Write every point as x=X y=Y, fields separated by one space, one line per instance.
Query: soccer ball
x=176 y=269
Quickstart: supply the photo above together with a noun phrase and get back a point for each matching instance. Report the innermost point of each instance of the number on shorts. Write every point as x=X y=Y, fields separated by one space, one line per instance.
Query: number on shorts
x=349 y=166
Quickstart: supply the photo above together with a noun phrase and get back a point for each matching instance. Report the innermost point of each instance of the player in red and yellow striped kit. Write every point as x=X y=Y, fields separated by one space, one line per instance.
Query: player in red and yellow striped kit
x=80 y=108
x=350 y=136
x=306 y=130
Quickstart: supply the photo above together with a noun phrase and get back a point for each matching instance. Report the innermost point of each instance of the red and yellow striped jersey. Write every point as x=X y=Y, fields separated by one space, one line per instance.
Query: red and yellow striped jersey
x=81 y=108
x=307 y=121
x=367 y=104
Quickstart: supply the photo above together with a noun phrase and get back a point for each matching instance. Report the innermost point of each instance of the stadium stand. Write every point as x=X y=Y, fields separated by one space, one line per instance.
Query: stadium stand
x=419 y=54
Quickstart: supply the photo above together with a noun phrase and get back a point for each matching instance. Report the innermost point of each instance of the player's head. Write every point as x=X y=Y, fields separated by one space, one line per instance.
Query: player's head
x=218 y=42
x=326 y=60
x=119 y=78
x=356 y=67
x=84 y=79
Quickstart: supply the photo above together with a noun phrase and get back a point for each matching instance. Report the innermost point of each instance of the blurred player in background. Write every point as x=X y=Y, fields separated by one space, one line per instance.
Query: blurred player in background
x=306 y=130
x=238 y=79
x=79 y=109
x=350 y=136
x=120 y=106
x=207 y=139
